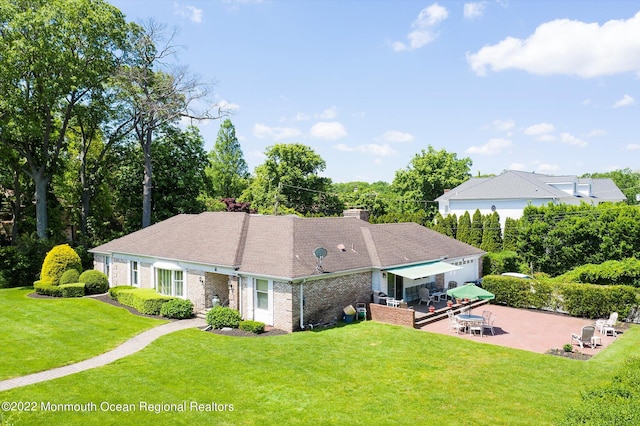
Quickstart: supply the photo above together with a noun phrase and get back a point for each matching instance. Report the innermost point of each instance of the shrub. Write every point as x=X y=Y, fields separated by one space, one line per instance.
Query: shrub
x=71 y=290
x=113 y=291
x=568 y=347
x=94 y=281
x=70 y=276
x=59 y=259
x=177 y=308
x=221 y=316
x=144 y=300
x=46 y=289
x=252 y=326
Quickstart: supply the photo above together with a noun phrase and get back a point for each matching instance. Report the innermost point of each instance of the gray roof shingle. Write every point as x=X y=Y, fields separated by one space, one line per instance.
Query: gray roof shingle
x=283 y=246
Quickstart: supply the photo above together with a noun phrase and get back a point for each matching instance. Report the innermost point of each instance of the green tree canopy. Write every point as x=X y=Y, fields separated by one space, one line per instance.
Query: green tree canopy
x=227 y=168
x=429 y=173
x=289 y=178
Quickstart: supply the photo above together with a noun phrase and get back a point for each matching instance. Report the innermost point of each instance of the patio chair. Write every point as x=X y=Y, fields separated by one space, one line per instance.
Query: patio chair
x=489 y=323
x=454 y=324
x=584 y=338
x=607 y=326
x=452 y=284
x=425 y=296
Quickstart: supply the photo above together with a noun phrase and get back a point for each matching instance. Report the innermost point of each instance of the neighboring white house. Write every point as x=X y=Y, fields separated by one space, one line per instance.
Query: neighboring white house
x=512 y=191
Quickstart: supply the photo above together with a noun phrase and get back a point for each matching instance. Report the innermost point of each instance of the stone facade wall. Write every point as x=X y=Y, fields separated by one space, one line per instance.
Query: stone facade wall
x=144 y=275
x=119 y=271
x=283 y=306
x=325 y=299
x=215 y=284
x=389 y=315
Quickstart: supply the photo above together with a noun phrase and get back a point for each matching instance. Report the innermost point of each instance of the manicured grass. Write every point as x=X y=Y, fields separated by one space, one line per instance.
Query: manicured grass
x=363 y=373
x=39 y=334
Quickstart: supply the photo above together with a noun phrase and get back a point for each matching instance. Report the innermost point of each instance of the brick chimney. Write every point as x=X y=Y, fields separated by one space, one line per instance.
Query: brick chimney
x=359 y=213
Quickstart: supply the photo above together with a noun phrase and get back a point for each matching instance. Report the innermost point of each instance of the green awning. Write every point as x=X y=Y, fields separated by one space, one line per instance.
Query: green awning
x=421 y=271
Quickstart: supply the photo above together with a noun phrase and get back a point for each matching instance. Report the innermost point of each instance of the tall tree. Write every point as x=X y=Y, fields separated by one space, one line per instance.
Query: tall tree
x=159 y=95
x=289 y=179
x=492 y=233
x=427 y=176
x=475 y=236
x=464 y=228
x=55 y=53
x=227 y=169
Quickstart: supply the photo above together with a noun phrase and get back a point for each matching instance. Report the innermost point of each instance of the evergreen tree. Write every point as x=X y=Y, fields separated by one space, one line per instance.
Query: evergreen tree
x=491 y=233
x=475 y=236
x=227 y=169
x=510 y=235
x=464 y=228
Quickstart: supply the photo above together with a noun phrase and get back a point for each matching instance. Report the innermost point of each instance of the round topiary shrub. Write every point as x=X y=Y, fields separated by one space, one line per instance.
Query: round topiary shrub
x=95 y=282
x=69 y=276
x=177 y=309
x=59 y=259
x=221 y=316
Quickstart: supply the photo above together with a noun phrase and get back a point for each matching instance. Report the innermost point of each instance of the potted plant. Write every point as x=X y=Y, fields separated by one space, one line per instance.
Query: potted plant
x=458 y=300
x=432 y=308
x=449 y=303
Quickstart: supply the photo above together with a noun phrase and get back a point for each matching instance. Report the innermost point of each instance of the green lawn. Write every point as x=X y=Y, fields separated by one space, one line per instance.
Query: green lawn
x=363 y=373
x=39 y=334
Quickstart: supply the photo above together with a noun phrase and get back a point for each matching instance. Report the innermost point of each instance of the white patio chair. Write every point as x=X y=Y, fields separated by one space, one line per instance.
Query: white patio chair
x=454 y=324
x=425 y=297
x=476 y=326
x=361 y=311
x=608 y=326
x=489 y=324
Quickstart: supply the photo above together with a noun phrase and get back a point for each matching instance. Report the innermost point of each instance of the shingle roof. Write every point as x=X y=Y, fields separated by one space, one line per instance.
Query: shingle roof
x=283 y=246
x=522 y=185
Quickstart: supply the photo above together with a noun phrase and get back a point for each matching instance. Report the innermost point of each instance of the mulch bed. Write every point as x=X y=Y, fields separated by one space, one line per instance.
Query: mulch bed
x=573 y=355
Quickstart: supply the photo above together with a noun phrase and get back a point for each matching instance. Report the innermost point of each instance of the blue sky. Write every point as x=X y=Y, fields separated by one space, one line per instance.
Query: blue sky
x=544 y=86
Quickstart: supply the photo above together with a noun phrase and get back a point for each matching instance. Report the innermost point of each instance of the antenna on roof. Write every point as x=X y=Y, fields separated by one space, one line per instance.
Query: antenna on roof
x=320 y=253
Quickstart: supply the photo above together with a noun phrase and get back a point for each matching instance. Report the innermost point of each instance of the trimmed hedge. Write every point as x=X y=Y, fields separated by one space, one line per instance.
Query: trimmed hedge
x=59 y=259
x=70 y=276
x=94 y=281
x=497 y=263
x=256 y=327
x=580 y=300
x=222 y=316
x=623 y=272
x=113 y=291
x=144 y=300
x=177 y=309
x=72 y=290
x=47 y=289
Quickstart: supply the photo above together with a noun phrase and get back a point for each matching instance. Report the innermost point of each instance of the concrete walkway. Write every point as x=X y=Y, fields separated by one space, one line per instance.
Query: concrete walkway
x=129 y=347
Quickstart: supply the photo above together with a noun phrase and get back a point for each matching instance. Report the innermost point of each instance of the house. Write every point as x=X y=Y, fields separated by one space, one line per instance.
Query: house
x=512 y=191
x=285 y=271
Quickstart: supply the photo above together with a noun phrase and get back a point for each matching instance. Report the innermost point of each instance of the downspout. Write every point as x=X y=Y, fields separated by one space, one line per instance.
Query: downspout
x=302 y=305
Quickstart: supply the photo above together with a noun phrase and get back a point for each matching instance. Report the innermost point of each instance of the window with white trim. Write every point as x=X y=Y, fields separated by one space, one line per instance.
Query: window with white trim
x=133 y=268
x=170 y=283
x=262 y=294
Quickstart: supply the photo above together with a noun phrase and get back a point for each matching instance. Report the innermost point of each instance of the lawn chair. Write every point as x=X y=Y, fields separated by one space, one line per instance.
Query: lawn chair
x=489 y=324
x=584 y=338
x=361 y=311
x=608 y=326
x=454 y=324
x=425 y=297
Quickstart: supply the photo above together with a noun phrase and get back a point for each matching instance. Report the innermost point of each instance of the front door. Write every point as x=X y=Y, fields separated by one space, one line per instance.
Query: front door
x=395 y=287
x=263 y=301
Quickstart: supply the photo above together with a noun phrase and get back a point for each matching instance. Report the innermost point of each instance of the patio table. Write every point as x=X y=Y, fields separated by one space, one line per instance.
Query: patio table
x=469 y=319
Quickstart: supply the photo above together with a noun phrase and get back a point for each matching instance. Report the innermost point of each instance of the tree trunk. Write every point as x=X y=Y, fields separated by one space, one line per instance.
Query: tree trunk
x=85 y=198
x=41 y=182
x=16 y=207
x=147 y=183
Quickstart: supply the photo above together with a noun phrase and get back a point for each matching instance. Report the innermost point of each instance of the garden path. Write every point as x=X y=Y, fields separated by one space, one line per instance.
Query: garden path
x=129 y=347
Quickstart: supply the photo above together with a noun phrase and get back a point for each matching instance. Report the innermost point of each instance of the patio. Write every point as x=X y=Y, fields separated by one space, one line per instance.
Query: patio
x=529 y=330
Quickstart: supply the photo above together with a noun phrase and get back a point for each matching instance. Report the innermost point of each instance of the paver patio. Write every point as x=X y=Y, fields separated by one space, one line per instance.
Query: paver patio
x=530 y=330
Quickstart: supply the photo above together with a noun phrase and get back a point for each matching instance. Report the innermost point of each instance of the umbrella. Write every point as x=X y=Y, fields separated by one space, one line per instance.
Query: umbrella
x=470 y=291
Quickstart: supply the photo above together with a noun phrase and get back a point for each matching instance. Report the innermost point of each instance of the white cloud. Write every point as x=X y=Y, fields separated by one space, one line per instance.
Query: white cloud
x=328 y=113
x=493 y=147
x=191 y=13
x=330 y=130
x=474 y=10
x=369 y=149
x=596 y=132
x=569 y=139
x=396 y=136
x=546 y=138
x=539 y=129
x=547 y=168
x=301 y=116
x=275 y=133
x=503 y=125
x=625 y=101
x=633 y=147
x=568 y=47
x=228 y=106
x=422 y=29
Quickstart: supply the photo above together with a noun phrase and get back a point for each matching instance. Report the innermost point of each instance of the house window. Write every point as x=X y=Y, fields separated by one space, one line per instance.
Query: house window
x=133 y=267
x=107 y=266
x=170 y=282
x=262 y=294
